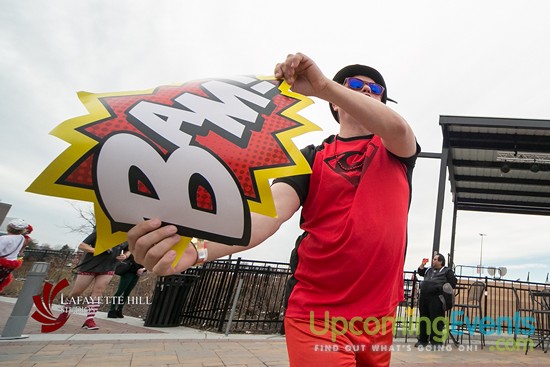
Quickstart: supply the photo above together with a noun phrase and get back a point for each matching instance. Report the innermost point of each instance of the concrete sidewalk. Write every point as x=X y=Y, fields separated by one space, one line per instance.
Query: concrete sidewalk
x=126 y=342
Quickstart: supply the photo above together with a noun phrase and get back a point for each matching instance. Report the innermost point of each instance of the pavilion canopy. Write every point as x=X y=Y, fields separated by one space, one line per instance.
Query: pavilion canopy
x=498 y=164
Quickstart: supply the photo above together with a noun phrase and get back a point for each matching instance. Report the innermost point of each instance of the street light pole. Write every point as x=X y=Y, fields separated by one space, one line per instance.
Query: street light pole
x=481 y=253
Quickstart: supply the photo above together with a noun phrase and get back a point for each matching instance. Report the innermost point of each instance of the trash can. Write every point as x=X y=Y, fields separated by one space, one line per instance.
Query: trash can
x=168 y=300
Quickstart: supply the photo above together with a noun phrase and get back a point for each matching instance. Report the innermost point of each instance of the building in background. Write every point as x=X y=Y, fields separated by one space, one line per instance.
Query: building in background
x=4 y=219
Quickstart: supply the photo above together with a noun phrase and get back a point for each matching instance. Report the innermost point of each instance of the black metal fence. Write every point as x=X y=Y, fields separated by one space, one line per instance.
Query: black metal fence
x=499 y=302
x=249 y=297
x=247 y=294
x=498 y=309
x=56 y=257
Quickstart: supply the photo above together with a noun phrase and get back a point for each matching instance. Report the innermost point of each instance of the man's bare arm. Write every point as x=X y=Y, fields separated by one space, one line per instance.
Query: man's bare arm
x=152 y=244
x=367 y=113
x=396 y=134
x=86 y=248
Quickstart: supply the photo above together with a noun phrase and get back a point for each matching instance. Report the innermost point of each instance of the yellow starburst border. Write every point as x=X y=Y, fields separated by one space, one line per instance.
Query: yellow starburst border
x=80 y=144
x=301 y=166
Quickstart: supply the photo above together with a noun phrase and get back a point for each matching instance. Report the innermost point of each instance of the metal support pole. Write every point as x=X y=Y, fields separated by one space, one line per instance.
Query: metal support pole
x=451 y=259
x=22 y=308
x=481 y=253
x=440 y=199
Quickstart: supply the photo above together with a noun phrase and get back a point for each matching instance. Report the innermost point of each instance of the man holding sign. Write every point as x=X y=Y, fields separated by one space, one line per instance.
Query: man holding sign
x=354 y=217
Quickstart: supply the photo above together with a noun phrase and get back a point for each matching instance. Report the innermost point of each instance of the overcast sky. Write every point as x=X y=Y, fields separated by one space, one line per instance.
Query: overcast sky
x=466 y=58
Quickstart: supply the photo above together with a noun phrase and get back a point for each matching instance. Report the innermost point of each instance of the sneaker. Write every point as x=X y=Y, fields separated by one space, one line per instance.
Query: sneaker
x=63 y=317
x=420 y=344
x=90 y=325
x=113 y=314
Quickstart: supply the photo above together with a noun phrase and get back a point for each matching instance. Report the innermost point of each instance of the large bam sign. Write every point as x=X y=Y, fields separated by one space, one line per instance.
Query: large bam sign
x=198 y=155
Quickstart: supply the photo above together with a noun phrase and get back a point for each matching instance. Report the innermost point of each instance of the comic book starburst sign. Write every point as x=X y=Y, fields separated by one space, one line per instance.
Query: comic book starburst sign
x=197 y=155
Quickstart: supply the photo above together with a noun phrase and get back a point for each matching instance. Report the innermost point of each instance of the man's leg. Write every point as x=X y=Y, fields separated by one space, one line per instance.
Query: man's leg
x=118 y=297
x=306 y=348
x=374 y=349
x=424 y=313
x=82 y=281
x=100 y=284
x=436 y=315
x=129 y=287
x=316 y=343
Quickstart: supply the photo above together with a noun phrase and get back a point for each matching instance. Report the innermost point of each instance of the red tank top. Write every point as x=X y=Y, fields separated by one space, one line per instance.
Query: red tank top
x=355 y=208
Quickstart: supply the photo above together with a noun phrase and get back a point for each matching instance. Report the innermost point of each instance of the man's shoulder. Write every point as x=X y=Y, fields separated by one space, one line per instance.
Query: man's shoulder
x=310 y=151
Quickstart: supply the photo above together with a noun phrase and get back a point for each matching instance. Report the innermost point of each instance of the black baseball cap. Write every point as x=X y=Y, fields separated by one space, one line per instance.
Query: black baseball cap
x=354 y=70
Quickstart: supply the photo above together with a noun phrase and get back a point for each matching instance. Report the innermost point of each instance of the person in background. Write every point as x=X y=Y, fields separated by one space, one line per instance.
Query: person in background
x=128 y=280
x=430 y=306
x=98 y=270
x=354 y=210
x=28 y=239
x=10 y=247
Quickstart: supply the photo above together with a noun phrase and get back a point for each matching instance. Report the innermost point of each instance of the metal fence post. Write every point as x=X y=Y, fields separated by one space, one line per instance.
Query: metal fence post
x=409 y=312
x=228 y=296
x=22 y=308
x=486 y=293
x=234 y=306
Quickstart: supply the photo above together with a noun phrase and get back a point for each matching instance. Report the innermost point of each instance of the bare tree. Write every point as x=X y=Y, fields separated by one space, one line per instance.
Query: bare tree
x=66 y=248
x=87 y=216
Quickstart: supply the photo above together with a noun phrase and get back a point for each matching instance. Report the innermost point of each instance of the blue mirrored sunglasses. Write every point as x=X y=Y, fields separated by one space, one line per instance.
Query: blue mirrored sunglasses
x=358 y=84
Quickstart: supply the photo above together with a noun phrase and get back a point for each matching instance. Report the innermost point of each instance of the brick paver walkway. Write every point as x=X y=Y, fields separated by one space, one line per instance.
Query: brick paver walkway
x=121 y=344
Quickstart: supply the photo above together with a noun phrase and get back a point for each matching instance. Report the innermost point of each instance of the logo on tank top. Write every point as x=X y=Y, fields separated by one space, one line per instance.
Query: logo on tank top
x=352 y=165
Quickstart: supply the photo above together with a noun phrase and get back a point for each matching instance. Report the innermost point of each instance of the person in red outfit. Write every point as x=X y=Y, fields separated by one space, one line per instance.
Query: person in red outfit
x=354 y=216
x=10 y=247
x=28 y=239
